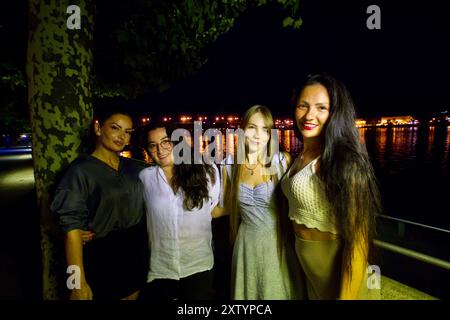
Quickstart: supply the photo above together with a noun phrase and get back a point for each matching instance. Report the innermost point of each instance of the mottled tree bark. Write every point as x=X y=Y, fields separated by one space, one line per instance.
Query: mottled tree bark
x=59 y=64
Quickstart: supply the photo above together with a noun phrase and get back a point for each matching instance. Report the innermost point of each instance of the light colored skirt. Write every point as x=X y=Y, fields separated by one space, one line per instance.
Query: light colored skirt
x=321 y=262
x=258 y=273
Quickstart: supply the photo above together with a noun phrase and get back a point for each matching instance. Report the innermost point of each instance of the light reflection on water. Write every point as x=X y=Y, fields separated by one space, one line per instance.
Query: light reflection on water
x=392 y=150
x=411 y=165
x=397 y=150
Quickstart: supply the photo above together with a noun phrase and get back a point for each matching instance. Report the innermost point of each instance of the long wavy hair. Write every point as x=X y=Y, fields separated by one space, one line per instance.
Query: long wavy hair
x=192 y=179
x=345 y=169
x=232 y=197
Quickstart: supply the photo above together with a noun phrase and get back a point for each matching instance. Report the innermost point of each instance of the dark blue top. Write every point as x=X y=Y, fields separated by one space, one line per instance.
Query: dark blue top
x=94 y=196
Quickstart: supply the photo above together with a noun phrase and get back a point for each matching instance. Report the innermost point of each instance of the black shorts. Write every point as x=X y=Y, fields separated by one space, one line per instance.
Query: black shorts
x=117 y=264
x=198 y=286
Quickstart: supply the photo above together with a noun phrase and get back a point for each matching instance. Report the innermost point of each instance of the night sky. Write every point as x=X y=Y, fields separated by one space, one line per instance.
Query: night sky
x=403 y=68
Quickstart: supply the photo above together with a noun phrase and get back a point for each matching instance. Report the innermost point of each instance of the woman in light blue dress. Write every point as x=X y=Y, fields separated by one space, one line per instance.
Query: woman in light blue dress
x=263 y=267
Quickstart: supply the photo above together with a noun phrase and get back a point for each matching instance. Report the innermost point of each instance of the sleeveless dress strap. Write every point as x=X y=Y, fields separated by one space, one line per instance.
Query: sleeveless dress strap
x=313 y=164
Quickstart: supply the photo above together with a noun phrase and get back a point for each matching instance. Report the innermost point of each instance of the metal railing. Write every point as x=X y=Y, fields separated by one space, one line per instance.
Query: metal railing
x=408 y=252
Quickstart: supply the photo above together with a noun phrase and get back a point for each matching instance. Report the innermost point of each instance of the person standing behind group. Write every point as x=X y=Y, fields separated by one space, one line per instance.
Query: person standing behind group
x=100 y=201
x=179 y=201
x=264 y=266
x=332 y=193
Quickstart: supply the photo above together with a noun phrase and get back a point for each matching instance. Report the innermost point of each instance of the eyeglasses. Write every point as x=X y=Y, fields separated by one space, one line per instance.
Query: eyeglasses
x=165 y=144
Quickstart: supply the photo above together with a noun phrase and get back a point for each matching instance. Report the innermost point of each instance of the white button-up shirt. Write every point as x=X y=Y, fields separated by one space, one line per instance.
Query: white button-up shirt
x=180 y=240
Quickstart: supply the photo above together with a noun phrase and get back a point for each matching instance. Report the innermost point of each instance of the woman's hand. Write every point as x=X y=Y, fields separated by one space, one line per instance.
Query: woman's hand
x=218 y=212
x=86 y=235
x=84 y=293
x=74 y=257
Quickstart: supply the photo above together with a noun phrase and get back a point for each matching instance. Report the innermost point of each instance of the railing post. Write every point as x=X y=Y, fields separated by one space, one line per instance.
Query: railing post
x=401 y=229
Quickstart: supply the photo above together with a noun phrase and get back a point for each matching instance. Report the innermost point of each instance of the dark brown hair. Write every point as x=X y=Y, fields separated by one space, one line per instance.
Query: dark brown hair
x=346 y=170
x=192 y=179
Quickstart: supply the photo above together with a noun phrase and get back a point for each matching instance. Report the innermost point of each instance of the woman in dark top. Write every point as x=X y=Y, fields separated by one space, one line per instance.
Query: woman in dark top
x=102 y=193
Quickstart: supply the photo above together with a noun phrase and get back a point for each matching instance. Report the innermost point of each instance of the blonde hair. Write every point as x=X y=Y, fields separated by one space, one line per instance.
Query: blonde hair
x=232 y=197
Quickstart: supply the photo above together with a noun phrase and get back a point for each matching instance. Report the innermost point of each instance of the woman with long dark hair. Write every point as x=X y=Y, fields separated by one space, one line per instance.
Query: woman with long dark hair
x=101 y=195
x=332 y=193
x=264 y=266
x=179 y=200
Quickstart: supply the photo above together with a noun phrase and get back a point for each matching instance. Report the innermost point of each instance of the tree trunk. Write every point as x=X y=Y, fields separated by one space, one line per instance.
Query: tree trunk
x=59 y=62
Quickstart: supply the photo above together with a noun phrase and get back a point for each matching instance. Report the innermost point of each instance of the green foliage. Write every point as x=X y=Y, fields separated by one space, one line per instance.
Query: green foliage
x=291 y=22
x=12 y=77
x=14 y=116
x=288 y=21
x=143 y=45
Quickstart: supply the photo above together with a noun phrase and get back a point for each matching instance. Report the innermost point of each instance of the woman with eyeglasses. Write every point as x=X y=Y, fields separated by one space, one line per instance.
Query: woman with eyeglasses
x=179 y=200
x=100 y=201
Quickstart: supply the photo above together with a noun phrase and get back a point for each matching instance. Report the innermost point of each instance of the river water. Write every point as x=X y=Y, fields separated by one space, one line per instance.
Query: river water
x=412 y=167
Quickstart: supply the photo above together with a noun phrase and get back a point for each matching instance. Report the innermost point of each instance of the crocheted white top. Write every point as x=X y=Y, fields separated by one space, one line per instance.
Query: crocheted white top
x=308 y=204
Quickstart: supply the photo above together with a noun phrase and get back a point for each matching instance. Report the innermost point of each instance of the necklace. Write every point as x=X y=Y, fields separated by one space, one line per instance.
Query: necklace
x=251 y=170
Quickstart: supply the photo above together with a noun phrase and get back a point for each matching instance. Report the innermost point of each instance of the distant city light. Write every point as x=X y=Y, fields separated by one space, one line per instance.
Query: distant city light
x=286 y=123
x=125 y=154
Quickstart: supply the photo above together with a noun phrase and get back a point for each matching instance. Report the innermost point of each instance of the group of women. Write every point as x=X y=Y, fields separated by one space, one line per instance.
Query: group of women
x=299 y=229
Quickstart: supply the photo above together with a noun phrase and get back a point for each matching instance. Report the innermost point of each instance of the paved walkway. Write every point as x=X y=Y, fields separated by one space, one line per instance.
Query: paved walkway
x=393 y=290
x=19 y=243
x=19 y=230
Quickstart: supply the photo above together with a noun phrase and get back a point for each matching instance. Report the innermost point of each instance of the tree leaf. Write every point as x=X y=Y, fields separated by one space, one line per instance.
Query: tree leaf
x=287 y=22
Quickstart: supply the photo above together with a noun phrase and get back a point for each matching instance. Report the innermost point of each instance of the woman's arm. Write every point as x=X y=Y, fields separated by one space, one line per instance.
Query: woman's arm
x=351 y=283
x=219 y=211
x=74 y=256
